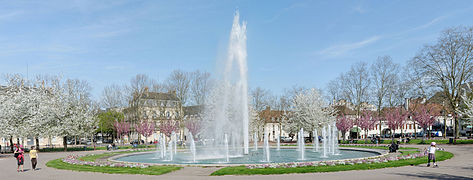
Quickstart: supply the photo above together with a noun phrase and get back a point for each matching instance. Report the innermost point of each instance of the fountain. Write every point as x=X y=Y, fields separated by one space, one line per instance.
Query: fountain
x=335 y=140
x=266 y=147
x=225 y=120
x=301 y=144
x=324 y=143
x=279 y=143
x=227 y=156
x=255 y=140
x=192 y=146
x=316 y=141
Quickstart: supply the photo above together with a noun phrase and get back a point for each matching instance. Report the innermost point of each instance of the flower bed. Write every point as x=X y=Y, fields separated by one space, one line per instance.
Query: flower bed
x=336 y=162
x=75 y=160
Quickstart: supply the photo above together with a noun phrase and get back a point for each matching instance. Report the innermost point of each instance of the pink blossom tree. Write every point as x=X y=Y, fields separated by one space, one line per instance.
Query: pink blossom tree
x=168 y=126
x=367 y=122
x=121 y=128
x=145 y=128
x=395 y=118
x=344 y=124
x=424 y=118
x=194 y=126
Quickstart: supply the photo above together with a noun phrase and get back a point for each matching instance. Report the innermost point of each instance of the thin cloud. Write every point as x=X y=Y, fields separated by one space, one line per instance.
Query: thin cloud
x=340 y=49
x=9 y=15
x=359 y=9
x=281 y=12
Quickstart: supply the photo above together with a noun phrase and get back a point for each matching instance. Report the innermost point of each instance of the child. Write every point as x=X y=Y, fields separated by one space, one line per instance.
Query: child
x=431 y=151
x=34 y=157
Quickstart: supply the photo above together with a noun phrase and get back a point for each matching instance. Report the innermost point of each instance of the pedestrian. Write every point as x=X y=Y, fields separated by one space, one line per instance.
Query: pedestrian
x=431 y=156
x=20 y=159
x=33 y=157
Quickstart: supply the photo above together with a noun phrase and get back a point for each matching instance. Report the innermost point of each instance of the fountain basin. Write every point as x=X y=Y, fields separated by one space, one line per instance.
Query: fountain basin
x=284 y=155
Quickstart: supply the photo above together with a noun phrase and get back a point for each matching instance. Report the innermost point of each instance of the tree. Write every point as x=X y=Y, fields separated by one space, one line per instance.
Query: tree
x=107 y=121
x=145 y=128
x=448 y=64
x=383 y=77
x=113 y=96
x=122 y=128
x=356 y=85
x=344 y=124
x=194 y=126
x=179 y=82
x=168 y=126
x=395 y=118
x=309 y=111
x=467 y=108
x=424 y=117
x=366 y=122
x=199 y=86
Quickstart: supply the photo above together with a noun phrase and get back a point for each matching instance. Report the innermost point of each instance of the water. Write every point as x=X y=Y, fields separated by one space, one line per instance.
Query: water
x=255 y=140
x=254 y=157
x=324 y=142
x=301 y=143
x=266 y=147
x=227 y=154
x=227 y=110
x=316 y=141
x=279 y=143
x=192 y=146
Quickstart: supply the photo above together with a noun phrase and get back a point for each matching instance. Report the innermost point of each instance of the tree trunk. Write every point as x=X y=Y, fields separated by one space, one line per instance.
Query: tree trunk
x=11 y=143
x=457 y=127
x=64 y=143
x=415 y=130
x=37 y=143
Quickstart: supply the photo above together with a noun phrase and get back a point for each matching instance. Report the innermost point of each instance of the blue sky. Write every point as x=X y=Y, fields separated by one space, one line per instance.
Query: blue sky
x=305 y=43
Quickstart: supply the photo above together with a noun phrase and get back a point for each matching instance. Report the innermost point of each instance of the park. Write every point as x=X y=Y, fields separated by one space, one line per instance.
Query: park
x=372 y=117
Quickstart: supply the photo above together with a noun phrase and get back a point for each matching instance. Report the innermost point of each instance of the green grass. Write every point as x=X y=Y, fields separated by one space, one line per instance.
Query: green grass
x=242 y=170
x=374 y=147
x=89 y=148
x=94 y=157
x=417 y=141
x=151 y=170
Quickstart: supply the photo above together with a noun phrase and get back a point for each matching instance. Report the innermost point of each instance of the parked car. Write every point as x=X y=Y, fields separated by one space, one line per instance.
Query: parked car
x=285 y=139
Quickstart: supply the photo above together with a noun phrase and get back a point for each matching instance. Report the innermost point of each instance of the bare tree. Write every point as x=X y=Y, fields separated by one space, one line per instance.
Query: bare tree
x=448 y=64
x=179 y=82
x=138 y=87
x=113 y=96
x=260 y=98
x=334 y=90
x=356 y=85
x=199 y=87
x=383 y=78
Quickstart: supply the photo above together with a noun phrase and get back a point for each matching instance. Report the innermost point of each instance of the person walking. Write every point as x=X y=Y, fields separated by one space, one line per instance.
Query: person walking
x=20 y=159
x=431 y=157
x=34 y=157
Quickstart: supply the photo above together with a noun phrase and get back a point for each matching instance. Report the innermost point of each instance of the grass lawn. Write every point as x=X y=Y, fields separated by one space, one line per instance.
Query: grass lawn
x=242 y=170
x=419 y=141
x=94 y=157
x=152 y=170
x=374 y=147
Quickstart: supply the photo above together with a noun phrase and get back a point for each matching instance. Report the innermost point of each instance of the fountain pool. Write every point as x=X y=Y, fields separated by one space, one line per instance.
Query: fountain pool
x=284 y=155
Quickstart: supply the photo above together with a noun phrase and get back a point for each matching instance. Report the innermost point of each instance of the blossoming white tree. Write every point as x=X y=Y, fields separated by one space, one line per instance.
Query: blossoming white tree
x=309 y=111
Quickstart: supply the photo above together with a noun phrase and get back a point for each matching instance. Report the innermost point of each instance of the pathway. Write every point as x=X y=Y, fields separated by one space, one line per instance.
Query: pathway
x=459 y=167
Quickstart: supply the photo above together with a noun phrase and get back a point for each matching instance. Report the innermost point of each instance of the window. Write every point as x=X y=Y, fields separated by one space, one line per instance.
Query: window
x=410 y=126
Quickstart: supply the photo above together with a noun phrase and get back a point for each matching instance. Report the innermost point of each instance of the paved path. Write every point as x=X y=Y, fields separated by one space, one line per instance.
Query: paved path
x=459 y=167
